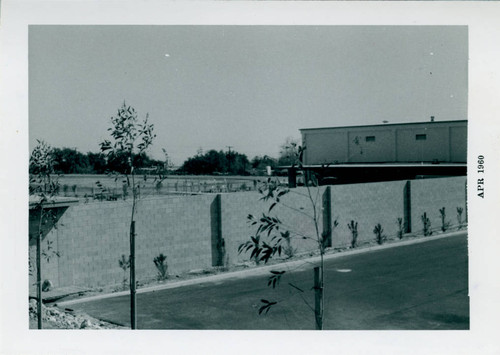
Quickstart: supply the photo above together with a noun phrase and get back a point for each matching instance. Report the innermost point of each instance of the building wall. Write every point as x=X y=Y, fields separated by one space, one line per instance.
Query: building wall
x=324 y=147
x=92 y=237
x=445 y=142
x=458 y=144
x=362 y=150
x=434 y=147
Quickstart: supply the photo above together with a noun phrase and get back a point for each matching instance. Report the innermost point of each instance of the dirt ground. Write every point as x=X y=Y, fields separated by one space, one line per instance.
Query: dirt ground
x=56 y=318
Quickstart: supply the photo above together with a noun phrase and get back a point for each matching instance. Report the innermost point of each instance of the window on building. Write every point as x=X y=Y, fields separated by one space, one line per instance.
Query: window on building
x=421 y=137
x=370 y=138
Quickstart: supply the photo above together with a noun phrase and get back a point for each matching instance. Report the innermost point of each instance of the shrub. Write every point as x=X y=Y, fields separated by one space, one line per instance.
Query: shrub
x=353 y=227
x=161 y=265
x=460 y=210
x=288 y=249
x=124 y=190
x=124 y=263
x=102 y=191
x=158 y=187
x=444 y=224
x=379 y=234
x=427 y=224
x=400 y=228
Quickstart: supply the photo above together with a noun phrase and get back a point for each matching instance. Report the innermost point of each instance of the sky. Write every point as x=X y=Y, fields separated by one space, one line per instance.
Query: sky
x=243 y=87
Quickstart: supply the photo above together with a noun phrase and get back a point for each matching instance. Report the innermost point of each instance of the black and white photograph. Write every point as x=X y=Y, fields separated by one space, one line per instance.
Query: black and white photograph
x=261 y=176
x=290 y=146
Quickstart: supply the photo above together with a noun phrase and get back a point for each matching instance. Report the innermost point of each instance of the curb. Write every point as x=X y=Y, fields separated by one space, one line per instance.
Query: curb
x=261 y=270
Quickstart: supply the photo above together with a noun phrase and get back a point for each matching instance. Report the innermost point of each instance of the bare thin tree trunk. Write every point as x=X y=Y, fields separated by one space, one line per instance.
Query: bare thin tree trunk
x=133 y=309
x=318 y=299
x=39 y=270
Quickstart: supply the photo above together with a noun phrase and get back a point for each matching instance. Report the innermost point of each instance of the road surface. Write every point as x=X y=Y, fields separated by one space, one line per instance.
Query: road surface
x=418 y=286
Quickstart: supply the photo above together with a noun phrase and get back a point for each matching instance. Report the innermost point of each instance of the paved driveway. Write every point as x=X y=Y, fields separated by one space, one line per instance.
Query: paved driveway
x=418 y=286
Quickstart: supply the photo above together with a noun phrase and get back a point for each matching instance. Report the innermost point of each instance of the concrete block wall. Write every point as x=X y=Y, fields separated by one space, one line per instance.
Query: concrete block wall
x=368 y=204
x=431 y=195
x=92 y=237
x=237 y=206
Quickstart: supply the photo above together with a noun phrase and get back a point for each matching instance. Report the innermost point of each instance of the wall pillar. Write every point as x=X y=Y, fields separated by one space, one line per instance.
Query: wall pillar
x=407 y=207
x=218 y=243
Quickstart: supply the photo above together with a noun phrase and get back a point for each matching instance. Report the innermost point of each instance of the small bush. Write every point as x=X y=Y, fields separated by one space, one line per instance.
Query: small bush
x=444 y=224
x=353 y=227
x=158 y=187
x=124 y=190
x=161 y=265
x=400 y=228
x=379 y=234
x=124 y=263
x=427 y=224
x=47 y=286
x=288 y=249
x=460 y=210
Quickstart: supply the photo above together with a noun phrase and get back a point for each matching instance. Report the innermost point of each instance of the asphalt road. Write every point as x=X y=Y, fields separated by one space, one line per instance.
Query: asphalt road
x=418 y=286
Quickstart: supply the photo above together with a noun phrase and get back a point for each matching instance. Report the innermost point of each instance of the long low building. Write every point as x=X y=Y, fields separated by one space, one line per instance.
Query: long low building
x=385 y=152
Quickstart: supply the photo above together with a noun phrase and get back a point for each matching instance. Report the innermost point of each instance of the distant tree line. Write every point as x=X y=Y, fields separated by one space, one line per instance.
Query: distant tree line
x=217 y=162
x=213 y=162
x=71 y=161
x=233 y=163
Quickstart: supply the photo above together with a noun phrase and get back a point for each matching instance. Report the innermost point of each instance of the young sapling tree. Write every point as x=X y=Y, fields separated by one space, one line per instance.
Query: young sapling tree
x=353 y=227
x=129 y=138
x=43 y=187
x=379 y=234
x=460 y=210
x=426 y=224
x=400 y=227
x=272 y=235
x=124 y=264
x=444 y=223
x=160 y=262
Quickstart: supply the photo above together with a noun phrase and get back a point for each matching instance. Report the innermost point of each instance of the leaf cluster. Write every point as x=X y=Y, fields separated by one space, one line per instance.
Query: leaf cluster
x=267 y=306
x=275 y=278
x=41 y=169
x=129 y=136
x=269 y=227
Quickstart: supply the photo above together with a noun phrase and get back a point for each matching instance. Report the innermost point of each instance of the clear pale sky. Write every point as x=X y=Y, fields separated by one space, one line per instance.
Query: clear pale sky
x=248 y=87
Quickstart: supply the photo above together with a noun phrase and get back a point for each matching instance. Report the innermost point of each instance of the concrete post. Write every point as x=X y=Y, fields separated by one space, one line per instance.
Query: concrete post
x=407 y=207
x=218 y=244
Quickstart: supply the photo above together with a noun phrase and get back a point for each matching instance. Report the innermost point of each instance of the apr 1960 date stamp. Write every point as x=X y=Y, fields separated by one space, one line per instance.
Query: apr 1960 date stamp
x=480 y=179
